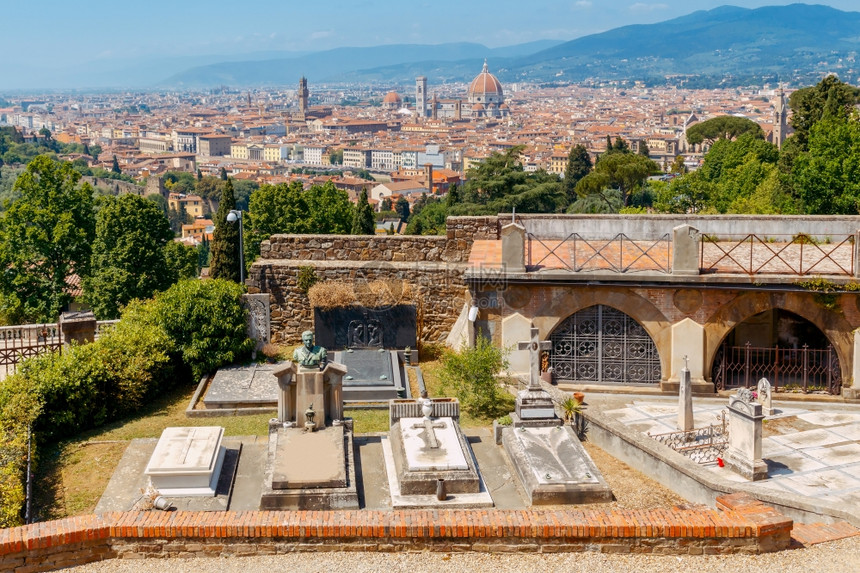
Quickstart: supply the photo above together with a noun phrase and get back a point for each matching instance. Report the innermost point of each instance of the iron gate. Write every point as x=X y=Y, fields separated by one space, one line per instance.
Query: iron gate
x=604 y=345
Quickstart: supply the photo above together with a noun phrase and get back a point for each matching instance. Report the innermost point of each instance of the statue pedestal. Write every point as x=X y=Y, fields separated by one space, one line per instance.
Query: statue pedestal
x=299 y=388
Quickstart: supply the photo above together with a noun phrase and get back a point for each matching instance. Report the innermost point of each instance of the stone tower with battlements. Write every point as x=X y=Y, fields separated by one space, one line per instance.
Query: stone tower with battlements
x=302 y=94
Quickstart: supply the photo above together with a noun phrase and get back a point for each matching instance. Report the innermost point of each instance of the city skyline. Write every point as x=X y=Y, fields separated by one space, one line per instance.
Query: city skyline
x=111 y=37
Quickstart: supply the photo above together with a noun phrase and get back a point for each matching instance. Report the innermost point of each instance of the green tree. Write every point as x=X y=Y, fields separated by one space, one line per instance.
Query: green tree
x=363 y=223
x=723 y=127
x=386 y=204
x=830 y=97
x=643 y=149
x=181 y=260
x=224 y=174
x=578 y=166
x=202 y=254
x=678 y=165
x=452 y=197
x=402 y=208
x=128 y=259
x=45 y=239
x=626 y=172
x=828 y=175
x=160 y=201
x=224 y=261
x=95 y=151
x=115 y=167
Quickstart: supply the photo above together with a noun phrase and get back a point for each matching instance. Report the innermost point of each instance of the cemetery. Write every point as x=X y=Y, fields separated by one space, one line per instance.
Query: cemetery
x=354 y=439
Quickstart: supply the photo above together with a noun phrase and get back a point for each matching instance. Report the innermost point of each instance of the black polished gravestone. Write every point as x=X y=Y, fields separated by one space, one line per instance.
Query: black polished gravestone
x=360 y=327
x=372 y=374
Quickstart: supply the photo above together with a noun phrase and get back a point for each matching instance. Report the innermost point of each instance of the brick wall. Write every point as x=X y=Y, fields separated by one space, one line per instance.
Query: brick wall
x=739 y=525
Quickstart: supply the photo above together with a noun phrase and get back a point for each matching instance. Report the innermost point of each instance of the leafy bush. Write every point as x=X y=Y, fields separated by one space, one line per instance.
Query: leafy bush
x=18 y=409
x=205 y=322
x=471 y=375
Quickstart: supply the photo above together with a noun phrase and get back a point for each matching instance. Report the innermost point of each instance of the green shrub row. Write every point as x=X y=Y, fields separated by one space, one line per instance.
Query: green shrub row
x=189 y=330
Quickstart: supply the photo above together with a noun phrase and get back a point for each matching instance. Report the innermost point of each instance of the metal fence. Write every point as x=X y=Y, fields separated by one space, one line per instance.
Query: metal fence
x=803 y=369
x=17 y=343
x=620 y=254
x=797 y=255
x=702 y=445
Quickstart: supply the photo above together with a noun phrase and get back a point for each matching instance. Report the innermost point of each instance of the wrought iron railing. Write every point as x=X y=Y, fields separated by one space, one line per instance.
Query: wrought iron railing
x=23 y=341
x=619 y=254
x=17 y=343
x=793 y=369
x=797 y=255
x=702 y=445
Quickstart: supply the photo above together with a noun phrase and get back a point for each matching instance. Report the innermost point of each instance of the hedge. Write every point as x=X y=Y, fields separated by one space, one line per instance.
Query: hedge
x=194 y=327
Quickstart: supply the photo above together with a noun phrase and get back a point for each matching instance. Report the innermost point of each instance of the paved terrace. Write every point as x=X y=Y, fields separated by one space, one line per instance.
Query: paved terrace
x=811 y=448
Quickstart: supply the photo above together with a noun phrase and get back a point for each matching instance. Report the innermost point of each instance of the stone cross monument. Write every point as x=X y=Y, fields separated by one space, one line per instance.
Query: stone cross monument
x=534 y=346
x=534 y=404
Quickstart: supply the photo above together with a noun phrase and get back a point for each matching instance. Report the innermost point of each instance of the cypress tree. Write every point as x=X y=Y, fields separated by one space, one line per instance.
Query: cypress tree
x=224 y=174
x=115 y=167
x=363 y=222
x=224 y=248
x=578 y=166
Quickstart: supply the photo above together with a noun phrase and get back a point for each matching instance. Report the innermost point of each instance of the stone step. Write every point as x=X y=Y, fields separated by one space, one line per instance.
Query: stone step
x=803 y=534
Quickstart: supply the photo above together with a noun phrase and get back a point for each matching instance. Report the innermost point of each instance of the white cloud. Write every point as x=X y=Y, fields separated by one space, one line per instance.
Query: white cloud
x=643 y=7
x=320 y=34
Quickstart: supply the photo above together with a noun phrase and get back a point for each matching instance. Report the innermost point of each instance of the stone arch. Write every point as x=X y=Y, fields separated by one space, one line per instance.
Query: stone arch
x=564 y=303
x=831 y=323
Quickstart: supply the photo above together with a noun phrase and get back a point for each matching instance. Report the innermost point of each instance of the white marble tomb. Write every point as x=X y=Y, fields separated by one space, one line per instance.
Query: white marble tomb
x=187 y=461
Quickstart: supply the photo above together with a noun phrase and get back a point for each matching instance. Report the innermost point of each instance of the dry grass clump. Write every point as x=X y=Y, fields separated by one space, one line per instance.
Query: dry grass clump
x=374 y=294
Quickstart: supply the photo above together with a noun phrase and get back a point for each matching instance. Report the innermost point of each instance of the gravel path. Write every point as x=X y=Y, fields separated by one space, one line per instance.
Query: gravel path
x=837 y=556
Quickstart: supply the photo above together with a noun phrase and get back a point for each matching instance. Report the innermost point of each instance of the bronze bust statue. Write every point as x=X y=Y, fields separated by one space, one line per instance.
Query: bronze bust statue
x=309 y=355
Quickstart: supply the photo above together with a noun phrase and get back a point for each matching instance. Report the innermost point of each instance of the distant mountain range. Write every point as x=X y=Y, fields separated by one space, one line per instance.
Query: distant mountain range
x=727 y=45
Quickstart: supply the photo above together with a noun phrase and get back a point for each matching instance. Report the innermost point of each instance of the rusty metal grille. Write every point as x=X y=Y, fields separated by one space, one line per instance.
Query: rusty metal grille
x=792 y=369
x=797 y=255
x=603 y=345
x=619 y=254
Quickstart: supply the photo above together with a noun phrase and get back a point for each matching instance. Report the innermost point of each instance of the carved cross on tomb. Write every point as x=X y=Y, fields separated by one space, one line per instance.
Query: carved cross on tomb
x=534 y=346
x=429 y=436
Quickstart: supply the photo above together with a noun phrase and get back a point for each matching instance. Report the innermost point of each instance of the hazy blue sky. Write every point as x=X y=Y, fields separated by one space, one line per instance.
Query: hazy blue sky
x=43 y=35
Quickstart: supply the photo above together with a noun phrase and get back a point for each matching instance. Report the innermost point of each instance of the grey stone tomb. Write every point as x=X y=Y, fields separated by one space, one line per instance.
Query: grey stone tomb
x=310 y=462
x=428 y=460
x=551 y=463
x=685 y=400
x=745 y=426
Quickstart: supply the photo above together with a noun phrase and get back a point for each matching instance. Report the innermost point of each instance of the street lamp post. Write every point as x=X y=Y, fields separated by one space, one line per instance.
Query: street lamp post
x=233 y=216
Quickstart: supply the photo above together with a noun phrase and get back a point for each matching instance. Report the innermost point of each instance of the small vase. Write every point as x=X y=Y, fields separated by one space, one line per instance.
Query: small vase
x=579 y=397
x=440 y=490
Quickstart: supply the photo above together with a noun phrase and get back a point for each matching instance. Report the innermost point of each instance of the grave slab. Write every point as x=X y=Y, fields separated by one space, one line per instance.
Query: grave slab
x=810 y=439
x=822 y=483
x=554 y=467
x=253 y=385
x=836 y=455
x=851 y=431
x=829 y=418
x=321 y=454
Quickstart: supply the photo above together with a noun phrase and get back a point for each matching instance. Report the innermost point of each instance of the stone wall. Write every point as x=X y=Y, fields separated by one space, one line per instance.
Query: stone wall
x=432 y=265
x=739 y=525
x=437 y=290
